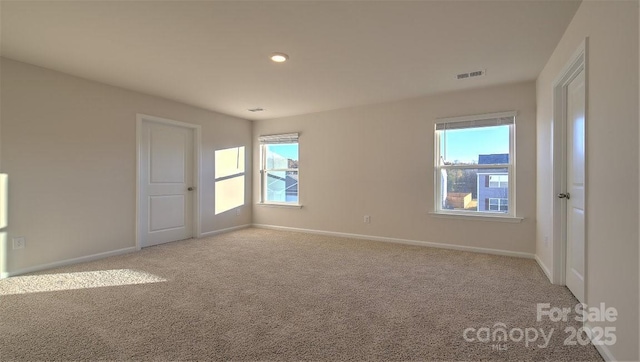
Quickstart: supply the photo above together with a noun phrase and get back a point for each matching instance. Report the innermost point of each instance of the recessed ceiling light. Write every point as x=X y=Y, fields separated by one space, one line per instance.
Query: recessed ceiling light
x=279 y=57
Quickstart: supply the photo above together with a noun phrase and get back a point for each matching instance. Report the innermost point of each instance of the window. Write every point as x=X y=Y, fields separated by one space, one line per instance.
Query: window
x=474 y=163
x=498 y=204
x=498 y=180
x=279 y=169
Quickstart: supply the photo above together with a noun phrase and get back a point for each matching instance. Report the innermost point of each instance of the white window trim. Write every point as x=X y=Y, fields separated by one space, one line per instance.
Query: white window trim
x=509 y=216
x=477 y=216
x=280 y=205
x=288 y=138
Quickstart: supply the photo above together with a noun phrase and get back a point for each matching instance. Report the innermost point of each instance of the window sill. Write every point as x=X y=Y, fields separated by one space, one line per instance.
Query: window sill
x=496 y=218
x=285 y=206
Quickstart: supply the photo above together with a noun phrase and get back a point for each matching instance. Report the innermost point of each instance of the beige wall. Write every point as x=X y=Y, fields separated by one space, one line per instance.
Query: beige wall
x=69 y=147
x=378 y=160
x=612 y=159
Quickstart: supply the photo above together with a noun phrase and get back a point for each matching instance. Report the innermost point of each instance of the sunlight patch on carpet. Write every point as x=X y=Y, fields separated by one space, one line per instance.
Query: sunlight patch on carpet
x=80 y=280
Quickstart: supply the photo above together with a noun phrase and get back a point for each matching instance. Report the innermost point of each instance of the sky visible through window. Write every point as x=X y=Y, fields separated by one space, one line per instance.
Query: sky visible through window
x=289 y=151
x=464 y=145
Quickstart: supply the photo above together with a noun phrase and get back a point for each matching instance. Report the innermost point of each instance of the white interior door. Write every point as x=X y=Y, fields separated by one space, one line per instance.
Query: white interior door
x=575 y=253
x=166 y=183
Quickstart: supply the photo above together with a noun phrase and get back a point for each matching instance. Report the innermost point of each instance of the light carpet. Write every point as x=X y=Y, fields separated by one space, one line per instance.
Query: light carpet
x=258 y=294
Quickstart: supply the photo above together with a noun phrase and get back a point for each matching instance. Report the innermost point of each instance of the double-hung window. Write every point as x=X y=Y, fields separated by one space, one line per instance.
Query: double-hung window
x=279 y=169
x=474 y=165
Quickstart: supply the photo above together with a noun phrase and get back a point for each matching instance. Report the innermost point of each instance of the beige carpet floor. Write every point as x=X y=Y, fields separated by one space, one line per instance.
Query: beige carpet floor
x=258 y=294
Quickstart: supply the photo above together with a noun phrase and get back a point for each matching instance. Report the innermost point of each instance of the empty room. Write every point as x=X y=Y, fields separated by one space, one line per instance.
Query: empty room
x=319 y=180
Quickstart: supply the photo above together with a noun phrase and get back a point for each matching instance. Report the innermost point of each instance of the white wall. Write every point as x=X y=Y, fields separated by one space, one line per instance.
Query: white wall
x=69 y=146
x=378 y=160
x=612 y=159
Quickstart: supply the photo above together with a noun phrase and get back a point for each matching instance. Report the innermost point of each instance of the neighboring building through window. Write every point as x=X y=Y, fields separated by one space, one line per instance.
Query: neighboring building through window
x=497 y=204
x=474 y=164
x=498 y=181
x=279 y=169
x=493 y=184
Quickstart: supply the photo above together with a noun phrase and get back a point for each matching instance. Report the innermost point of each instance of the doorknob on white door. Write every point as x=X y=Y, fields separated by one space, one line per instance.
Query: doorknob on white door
x=564 y=196
x=191 y=188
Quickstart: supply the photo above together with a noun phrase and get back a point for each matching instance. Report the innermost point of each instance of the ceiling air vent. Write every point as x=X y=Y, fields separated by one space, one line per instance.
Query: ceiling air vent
x=477 y=73
x=256 y=109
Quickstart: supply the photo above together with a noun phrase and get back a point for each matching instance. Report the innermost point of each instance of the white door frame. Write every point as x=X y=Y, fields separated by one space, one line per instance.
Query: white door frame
x=143 y=118
x=577 y=63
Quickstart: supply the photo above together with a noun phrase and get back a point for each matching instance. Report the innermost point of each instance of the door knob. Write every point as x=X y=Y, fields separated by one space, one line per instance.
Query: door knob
x=564 y=196
x=190 y=188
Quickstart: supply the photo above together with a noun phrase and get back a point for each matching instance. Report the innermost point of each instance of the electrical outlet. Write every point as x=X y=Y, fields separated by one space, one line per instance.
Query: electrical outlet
x=238 y=212
x=546 y=241
x=19 y=242
x=367 y=219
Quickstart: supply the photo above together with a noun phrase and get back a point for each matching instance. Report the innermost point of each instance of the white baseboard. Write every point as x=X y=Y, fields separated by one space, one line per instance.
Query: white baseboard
x=401 y=241
x=544 y=268
x=604 y=351
x=66 y=262
x=93 y=257
x=222 y=231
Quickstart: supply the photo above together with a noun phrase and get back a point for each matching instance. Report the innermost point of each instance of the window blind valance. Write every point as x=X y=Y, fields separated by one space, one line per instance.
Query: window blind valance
x=500 y=119
x=279 y=138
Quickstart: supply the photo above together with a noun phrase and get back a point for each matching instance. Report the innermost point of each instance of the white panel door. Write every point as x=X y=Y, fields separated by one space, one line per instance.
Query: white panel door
x=166 y=179
x=575 y=253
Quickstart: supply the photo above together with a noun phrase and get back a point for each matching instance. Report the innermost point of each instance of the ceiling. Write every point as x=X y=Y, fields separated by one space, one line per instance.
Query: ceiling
x=215 y=54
